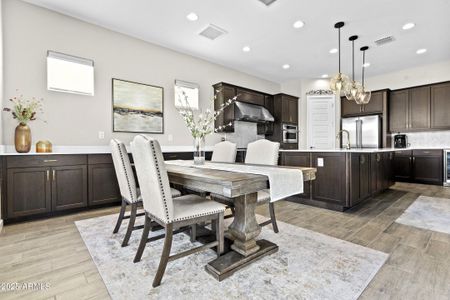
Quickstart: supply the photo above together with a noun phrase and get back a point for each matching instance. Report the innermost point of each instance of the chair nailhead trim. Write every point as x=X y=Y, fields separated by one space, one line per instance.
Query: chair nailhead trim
x=118 y=144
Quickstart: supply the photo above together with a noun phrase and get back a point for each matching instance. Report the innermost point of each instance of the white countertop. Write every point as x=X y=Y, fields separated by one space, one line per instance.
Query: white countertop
x=9 y=150
x=363 y=150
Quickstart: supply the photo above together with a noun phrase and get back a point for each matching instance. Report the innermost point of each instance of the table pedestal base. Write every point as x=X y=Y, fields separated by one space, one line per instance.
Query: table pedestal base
x=224 y=266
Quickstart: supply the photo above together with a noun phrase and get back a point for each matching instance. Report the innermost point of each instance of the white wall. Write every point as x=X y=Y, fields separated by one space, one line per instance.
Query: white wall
x=30 y=31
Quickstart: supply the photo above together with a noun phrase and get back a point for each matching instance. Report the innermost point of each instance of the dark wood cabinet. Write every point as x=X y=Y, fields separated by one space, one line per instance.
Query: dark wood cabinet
x=103 y=185
x=28 y=191
x=299 y=159
x=440 y=106
x=377 y=105
x=286 y=109
x=427 y=166
x=360 y=177
x=419 y=108
x=349 y=108
x=398 y=111
x=380 y=172
x=69 y=187
x=249 y=96
x=330 y=184
x=402 y=165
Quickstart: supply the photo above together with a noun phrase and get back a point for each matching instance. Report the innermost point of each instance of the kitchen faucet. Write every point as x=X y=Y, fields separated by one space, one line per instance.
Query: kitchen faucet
x=341 y=134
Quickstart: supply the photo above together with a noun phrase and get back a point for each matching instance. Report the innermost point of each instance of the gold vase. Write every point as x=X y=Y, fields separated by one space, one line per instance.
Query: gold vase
x=22 y=138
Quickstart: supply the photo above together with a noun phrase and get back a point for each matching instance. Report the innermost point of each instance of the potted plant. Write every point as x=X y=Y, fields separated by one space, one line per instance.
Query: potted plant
x=24 y=111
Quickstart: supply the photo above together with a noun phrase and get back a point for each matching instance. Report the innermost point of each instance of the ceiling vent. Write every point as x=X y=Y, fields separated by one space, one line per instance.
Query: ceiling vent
x=212 y=32
x=267 y=2
x=384 y=40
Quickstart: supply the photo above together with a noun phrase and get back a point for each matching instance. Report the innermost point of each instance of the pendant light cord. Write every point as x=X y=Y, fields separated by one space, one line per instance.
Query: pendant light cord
x=339 y=48
x=364 y=62
x=353 y=60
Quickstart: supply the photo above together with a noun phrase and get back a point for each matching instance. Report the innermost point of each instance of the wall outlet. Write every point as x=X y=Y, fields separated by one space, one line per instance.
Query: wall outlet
x=170 y=137
x=101 y=135
x=320 y=162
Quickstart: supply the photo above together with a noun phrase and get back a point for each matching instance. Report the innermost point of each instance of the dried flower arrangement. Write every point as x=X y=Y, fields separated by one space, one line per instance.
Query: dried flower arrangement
x=25 y=110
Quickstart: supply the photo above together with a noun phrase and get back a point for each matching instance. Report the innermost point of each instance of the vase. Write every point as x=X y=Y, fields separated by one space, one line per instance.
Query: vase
x=199 y=150
x=22 y=138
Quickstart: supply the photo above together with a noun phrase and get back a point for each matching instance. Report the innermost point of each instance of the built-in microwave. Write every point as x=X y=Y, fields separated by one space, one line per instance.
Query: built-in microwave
x=290 y=134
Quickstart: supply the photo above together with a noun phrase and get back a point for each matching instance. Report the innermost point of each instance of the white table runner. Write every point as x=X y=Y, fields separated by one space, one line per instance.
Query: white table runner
x=283 y=182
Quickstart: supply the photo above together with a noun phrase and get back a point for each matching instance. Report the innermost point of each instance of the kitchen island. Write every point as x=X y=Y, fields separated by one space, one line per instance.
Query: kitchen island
x=344 y=177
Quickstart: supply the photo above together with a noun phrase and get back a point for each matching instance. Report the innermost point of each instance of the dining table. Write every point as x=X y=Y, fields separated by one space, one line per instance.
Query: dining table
x=241 y=188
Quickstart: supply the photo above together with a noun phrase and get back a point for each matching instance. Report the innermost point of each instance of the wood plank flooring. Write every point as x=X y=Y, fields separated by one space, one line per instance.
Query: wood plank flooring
x=418 y=267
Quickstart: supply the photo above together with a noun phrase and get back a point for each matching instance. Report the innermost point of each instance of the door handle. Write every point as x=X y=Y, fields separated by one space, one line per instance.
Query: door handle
x=48 y=175
x=54 y=175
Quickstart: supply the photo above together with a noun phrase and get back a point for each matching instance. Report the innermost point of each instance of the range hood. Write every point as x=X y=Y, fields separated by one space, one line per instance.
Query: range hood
x=251 y=113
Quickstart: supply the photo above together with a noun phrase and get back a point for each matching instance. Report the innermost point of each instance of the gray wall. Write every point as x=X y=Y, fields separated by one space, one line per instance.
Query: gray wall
x=30 y=31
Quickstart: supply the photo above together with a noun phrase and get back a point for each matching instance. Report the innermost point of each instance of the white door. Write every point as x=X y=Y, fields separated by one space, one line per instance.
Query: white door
x=321 y=125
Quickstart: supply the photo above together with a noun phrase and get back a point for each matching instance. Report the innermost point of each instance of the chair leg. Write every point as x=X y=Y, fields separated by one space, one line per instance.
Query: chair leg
x=193 y=233
x=164 y=255
x=145 y=232
x=272 y=217
x=130 y=224
x=219 y=233
x=120 y=218
x=232 y=210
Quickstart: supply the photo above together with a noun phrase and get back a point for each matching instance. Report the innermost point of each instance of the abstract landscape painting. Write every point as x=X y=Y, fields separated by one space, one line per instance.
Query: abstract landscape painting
x=137 y=107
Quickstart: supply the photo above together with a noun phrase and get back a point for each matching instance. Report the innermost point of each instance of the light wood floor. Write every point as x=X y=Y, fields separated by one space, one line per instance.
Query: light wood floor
x=418 y=267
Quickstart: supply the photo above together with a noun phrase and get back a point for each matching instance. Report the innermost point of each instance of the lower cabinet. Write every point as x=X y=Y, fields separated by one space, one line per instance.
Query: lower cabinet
x=360 y=179
x=419 y=166
x=69 y=187
x=103 y=185
x=402 y=165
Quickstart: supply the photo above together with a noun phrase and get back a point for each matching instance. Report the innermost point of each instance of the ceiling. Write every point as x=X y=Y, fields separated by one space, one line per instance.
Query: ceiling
x=269 y=32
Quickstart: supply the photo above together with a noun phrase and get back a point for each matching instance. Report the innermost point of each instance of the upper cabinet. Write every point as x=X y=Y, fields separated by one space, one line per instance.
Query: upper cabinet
x=249 y=96
x=286 y=108
x=420 y=108
x=440 y=106
x=377 y=105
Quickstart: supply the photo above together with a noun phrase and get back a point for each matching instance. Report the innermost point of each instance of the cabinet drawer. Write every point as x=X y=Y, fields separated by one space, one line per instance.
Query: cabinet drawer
x=403 y=153
x=178 y=155
x=433 y=152
x=45 y=160
x=99 y=159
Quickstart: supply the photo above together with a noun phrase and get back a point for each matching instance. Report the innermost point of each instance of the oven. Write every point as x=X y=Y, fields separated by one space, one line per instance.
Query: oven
x=290 y=134
x=446 y=167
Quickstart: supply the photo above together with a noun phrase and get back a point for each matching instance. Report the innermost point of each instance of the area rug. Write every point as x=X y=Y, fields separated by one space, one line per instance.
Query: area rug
x=308 y=265
x=428 y=213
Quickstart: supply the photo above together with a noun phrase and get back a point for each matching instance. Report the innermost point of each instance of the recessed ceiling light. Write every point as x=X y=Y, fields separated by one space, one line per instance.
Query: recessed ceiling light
x=246 y=49
x=408 y=26
x=192 y=16
x=334 y=50
x=421 y=51
x=298 y=24
x=285 y=66
x=324 y=76
x=366 y=65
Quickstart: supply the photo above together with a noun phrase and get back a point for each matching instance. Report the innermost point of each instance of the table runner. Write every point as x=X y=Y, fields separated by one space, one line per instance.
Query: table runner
x=283 y=182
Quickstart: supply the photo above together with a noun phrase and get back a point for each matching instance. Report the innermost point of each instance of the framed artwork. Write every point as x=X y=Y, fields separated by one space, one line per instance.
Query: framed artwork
x=137 y=107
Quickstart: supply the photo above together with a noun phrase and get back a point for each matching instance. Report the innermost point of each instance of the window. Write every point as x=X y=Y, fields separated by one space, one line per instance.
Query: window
x=190 y=97
x=70 y=74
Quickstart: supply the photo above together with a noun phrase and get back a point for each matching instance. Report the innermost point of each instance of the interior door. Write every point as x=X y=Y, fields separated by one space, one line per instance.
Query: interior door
x=321 y=127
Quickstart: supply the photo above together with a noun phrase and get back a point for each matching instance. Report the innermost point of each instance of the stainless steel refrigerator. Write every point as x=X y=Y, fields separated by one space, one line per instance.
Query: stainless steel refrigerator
x=365 y=132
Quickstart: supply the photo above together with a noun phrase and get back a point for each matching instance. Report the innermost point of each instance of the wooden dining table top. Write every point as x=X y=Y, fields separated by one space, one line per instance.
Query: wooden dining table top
x=226 y=183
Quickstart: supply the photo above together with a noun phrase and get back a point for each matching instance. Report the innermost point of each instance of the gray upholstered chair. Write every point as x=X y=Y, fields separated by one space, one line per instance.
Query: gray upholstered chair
x=159 y=206
x=264 y=152
x=224 y=152
x=128 y=190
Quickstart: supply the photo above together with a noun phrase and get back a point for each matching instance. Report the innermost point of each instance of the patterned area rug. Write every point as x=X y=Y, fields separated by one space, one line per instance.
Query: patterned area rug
x=308 y=265
x=428 y=213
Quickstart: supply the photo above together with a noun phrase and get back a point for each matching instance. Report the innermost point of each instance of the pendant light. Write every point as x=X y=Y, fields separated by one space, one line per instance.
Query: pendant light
x=353 y=88
x=364 y=96
x=339 y=81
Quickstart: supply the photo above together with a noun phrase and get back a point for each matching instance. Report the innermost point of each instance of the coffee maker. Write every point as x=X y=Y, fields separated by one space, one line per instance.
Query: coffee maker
x=400 y=141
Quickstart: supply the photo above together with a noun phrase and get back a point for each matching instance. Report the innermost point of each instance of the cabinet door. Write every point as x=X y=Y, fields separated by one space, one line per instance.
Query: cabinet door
x=69 y=187
x=375 y=173
x=250 y=96
x=360 y=185
x=398 y=111
x=330 y=184
x=440 y=106
x=419 y=108
x=286 y=117
x=29 y=191
x=293 y=110
x=387 y=179
x=349 y=108
x=375 y=106
x=223 y=94
x=103 y=185
x=428 y=166
x=299 y=159
x=402 y=167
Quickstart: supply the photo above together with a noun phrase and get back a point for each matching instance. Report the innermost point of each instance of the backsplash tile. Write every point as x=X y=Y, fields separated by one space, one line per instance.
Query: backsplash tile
x=244 y=133
x=432 y=139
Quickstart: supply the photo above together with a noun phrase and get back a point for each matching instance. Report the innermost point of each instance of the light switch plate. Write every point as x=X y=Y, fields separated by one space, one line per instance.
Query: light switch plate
x=320 y=162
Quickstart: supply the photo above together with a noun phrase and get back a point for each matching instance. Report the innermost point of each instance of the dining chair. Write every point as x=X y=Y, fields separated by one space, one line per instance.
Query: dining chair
x=159 y=205
x=128 y=190
x=224 y=152
x=264 y=152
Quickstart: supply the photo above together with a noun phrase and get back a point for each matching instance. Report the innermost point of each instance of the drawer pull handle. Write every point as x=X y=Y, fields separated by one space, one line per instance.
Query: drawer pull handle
x=50 y=160
x=426 y=152
x=54 y=175
x=48 y=175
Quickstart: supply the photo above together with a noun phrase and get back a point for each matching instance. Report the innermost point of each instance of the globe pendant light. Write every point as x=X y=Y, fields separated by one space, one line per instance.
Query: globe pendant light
x=353 y=88
x=339 y=81
x=364 y=96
